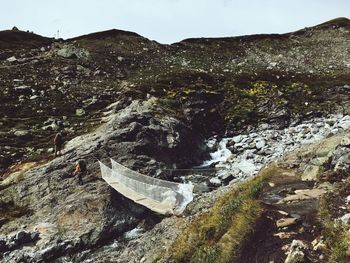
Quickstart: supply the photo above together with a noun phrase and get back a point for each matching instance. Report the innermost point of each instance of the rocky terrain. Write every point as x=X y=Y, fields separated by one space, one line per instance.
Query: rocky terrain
x=229 y=105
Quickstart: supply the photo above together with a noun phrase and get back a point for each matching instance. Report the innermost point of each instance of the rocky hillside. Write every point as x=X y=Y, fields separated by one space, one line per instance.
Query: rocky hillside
x=151 y=107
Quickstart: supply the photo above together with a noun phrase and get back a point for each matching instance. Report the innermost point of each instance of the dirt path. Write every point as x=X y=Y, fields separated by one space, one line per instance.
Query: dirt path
x=283 y=221
x=289 y=226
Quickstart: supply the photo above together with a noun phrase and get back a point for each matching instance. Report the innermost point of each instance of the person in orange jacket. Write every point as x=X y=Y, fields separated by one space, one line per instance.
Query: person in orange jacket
x=80 y=170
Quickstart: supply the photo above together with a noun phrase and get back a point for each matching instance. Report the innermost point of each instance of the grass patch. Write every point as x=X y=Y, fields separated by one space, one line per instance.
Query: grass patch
x=217 y=236
x=337 y=235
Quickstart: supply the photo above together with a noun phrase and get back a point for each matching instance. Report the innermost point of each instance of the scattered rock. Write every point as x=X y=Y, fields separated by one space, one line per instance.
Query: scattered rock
x=216 y=182
x=345 y=219
x=252 y=151
x=23 y=134
x=310 y=173
x=23 y=90
x=201 y=188
x=345 y=141
x=285 y=235
x=347 y=199
x=80 y=112
x=237 y=138
x=226 y=178
x=286 y=222
x=318 y=245
x=3 y=245
x=71 y=51
x=51 y=127
x=260 y=144
x=50 y=150
x=340 y=159
x=296 y=251
x=303 y=195
x=344 y=123
x=11 y=59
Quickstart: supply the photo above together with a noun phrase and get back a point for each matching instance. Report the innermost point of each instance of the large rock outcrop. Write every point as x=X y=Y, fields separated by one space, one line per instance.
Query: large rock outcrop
x=70 y=217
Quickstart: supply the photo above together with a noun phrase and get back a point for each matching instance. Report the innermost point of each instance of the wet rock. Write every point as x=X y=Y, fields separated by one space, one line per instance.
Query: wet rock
x=215 y=182
x=247 y=167
x=212 y=144
x=133 y=233
x=226 y=178
x=230 y=145
x=201 y=188
x=260 y=144
x=240 y=146
x=237 y=138
x=279 y=142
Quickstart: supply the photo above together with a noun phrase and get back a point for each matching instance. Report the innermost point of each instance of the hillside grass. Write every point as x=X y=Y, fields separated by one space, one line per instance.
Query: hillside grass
x=217 y=235
x=337 y=235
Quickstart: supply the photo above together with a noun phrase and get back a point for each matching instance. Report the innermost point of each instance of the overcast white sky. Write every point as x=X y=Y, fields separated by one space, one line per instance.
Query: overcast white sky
x=168 y=21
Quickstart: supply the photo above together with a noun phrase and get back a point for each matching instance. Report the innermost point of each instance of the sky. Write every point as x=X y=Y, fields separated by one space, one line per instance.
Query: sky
x=168 y=21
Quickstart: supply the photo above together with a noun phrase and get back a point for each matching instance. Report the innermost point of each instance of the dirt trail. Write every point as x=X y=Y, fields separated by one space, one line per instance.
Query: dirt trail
x=282 y=222
x=290 y=207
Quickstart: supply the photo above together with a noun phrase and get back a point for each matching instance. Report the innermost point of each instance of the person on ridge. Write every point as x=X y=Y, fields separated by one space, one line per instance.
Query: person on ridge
x=80 y=170
x=58 y=142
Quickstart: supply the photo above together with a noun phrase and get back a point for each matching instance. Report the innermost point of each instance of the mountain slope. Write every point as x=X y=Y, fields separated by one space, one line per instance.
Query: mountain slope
x=149 y=106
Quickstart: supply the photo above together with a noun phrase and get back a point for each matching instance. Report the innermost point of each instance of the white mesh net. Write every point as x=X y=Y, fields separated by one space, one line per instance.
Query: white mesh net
x=158 y=195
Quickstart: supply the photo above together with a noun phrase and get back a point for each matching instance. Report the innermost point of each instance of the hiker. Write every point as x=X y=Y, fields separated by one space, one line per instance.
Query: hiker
x=80 y=170
x=58 y=142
